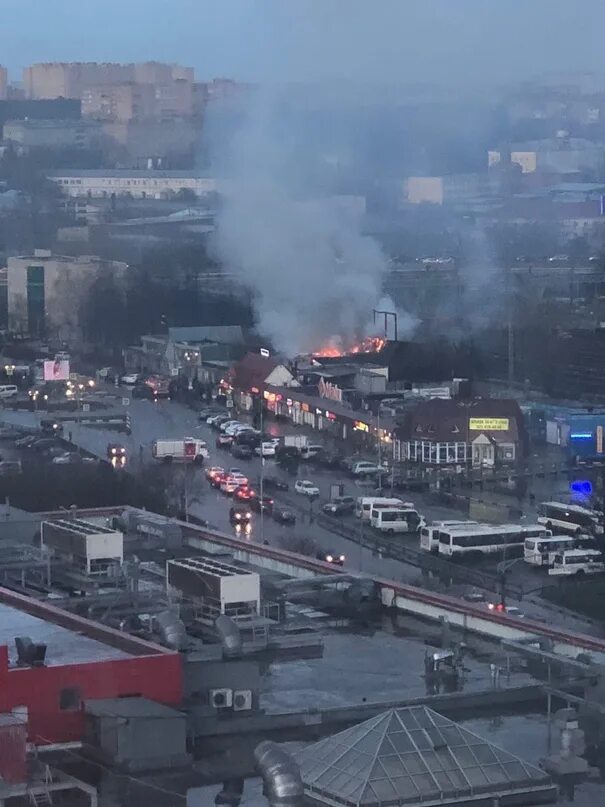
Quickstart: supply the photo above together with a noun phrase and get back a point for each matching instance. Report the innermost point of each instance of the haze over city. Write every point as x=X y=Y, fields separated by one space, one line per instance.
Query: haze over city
x=302 y=403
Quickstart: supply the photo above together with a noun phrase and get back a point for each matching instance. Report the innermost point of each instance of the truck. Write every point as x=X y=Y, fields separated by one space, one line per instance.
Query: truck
x=185 y=449
x=295 y=440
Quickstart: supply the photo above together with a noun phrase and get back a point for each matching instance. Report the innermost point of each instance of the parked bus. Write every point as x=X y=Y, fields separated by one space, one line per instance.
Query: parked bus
x=542 y=551
x=570 y=518
x=483 y=539
x=365 y=504
x=429 y=535
x=577 y=562
x=395 y=519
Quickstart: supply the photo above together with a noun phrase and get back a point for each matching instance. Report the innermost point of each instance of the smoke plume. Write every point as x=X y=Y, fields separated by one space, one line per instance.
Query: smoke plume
x=291 y=238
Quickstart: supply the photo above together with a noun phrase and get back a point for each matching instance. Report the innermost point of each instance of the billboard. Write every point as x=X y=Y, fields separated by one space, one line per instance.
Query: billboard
x=56 y=370
x=488 y=424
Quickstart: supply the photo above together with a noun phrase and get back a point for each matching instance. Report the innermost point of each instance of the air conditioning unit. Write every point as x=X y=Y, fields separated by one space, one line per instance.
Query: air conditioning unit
x=221 y=698
x=242 y=700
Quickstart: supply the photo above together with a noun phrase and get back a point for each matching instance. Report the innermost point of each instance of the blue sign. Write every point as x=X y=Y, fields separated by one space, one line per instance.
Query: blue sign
x=581 y=486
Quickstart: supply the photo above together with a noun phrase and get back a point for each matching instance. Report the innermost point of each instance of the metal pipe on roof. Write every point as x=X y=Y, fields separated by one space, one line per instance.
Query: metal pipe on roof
x=282 y=782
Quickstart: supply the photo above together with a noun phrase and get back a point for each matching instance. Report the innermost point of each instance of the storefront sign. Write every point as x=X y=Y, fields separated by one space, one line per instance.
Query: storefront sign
x=329 y=391
x=360 y=426
x=488 y=424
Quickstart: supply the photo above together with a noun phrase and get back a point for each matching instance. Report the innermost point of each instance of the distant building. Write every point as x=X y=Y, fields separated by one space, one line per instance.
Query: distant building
x=119 y=102
x=558 y=155
x=20 y=109
x=53 y=134
x=71 y=79
x=44 y=291
x=155 y=184
x=445 y=189
x=3 y=83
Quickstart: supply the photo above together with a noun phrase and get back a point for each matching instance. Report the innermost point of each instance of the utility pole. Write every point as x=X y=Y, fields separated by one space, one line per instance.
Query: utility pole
x=379 y=450
x=262 y=473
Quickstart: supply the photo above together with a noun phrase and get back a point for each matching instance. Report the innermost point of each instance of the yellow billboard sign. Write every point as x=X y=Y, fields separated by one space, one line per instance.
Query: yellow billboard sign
x=488 y=424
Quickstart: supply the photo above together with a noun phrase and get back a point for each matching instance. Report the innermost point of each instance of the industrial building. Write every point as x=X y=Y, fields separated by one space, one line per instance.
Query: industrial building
x=135 y=183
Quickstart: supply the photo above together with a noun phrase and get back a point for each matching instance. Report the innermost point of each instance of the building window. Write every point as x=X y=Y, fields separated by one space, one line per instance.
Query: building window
x=70 y=699
x=35 y=300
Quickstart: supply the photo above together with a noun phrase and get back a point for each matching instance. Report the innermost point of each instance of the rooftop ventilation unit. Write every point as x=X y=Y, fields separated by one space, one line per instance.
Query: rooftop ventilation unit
x=29 y=654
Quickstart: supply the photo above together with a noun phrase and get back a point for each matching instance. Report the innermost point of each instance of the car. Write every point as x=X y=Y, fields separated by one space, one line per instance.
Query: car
x=241 y=428
x=335 y=558
x=143 y=391
x=239 y=514
x=50 y=427
x=208 y=412
x=43 y=444
x=244 y=493
x=340 y=506
x=217 y=479
x=265 y=450
x=67 y=458
x=474 y=595
x=25 y=442
x=227 y=424
x=242 y=451
x=213 y=471
x=265 y=504
x=54 y=451
x=330 y=459
x=310 y=452
x=364 y=468
x=283 y=515
x=509 y=610
x=216 y=422
x=223 y=440
x=10 y=433
x=130 y=379
x=9 y=467
x=558 y=258
x=115 y=450
x=306 y=488
x=275 y=483
x=228 y=485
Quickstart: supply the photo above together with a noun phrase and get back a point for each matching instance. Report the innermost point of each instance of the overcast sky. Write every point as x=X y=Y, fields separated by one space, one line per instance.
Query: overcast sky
x=460 y=40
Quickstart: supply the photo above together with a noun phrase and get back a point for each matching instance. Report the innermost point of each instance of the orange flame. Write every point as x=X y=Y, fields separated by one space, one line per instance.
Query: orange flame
x=371 y=344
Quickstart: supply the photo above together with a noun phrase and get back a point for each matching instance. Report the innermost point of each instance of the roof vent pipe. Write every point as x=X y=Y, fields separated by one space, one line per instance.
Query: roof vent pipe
x=229 y=635
x=282 y=783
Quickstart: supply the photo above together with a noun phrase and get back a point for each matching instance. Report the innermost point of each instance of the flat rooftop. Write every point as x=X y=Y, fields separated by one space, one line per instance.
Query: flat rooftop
x=63 y=646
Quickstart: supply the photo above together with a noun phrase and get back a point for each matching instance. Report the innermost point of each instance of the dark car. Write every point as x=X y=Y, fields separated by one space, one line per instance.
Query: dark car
x=335 y=558
x=274 y=483
x=340 y=506
x=143 y=390
x=266 y=504
x=216 y=480
x=283 y=515
x=330 y=459
x=244 y=494
x=25 y=442
x=224 y=440
x=43 y=444
x=239 y=514
x=242 y=451
x=51 y=427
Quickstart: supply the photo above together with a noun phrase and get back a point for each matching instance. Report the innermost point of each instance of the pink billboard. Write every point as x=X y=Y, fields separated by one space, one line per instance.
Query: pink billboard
x=56 y=370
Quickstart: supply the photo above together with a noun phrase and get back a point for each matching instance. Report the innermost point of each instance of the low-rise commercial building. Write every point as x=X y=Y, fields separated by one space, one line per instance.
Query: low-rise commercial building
x=481 y=432
x=140 y=184
x=53 y=134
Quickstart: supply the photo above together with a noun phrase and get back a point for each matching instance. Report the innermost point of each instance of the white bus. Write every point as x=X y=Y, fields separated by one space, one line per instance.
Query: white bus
x=429 y=535
x=570 y=518
x=483 y=539
x=542 y=551
x=395 y=519
x=578 y=562
x=365 y=504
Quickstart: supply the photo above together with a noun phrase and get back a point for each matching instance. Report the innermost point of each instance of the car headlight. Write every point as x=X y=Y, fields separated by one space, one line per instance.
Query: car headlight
x=329 y=558
x=342 y=558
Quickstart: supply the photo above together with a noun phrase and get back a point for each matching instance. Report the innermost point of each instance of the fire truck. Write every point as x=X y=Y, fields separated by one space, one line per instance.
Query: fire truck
x=186 y=449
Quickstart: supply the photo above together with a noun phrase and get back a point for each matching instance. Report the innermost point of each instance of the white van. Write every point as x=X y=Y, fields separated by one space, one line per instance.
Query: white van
x=309 y=452
x=395 y=519
x=8 y=391
x=577 y=561
x=364 y=505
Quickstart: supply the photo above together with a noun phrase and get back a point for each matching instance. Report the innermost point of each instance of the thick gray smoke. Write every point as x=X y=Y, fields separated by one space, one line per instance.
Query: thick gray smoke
x=315 y=278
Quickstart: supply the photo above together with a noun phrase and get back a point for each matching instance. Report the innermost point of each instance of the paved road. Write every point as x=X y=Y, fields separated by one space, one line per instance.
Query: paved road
x=168 y=419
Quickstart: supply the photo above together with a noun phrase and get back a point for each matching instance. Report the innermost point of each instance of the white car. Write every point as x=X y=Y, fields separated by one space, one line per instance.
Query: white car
x=365 y=469
x=265 y=450
x=130 y=379
x=228 y=424
x=306 y=488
